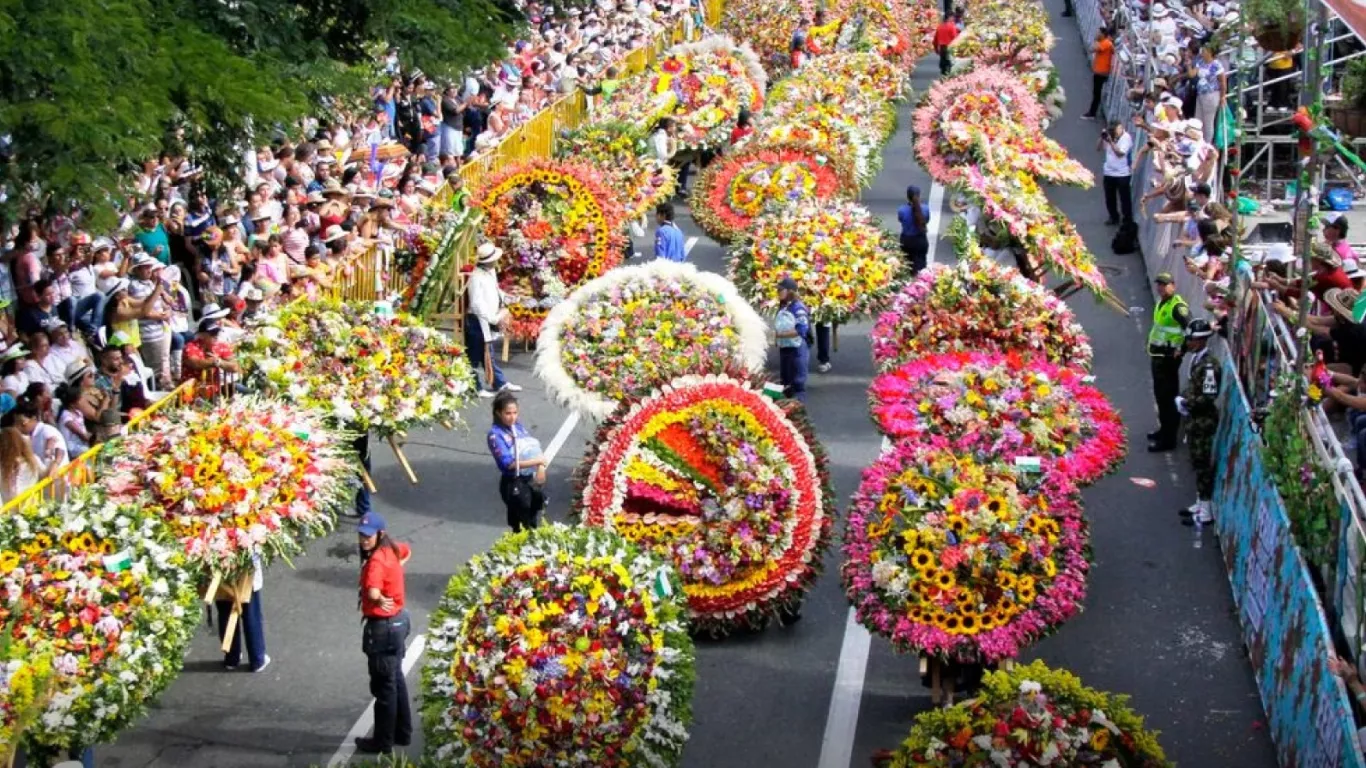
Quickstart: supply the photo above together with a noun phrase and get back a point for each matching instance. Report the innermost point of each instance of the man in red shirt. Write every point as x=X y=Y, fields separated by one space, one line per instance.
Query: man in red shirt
x=207 y=359
x=945 y=34
x=385 y=635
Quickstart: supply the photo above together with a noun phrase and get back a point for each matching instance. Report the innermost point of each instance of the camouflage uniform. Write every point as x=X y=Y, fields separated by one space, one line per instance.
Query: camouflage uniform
x=1202 y=405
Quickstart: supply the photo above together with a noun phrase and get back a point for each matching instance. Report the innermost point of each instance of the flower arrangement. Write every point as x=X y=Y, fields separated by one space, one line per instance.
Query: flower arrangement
x=844 y=73
x=901 y=34
x=1005 y=405
x=727 y=484
x=235 y=480
x=841 y=258
x=808 y=100
x=831 y=135
x=947 y=555
x=767 y=26
x=362 y=370
x=1032 y=715
x=1005 y=33
x=742 y=184
x=27 y=683
x=620 y=150
x=977 y=304
x=637 y=328
x=559 y=647
x=559 y=225
x=420 y=295
x=91 y=583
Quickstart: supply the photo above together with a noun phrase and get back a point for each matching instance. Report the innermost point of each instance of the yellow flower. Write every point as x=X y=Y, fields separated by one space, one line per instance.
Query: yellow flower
x=1100 y=740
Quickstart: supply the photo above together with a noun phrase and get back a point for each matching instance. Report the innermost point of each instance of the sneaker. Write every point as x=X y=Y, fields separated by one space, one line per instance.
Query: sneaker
x=264 y=664
x=1202 y=517
x=487 y=393
x=635 y=254
x=1350 y=445
x=229 y=667
x=1111 y=222
x=824 y=368
x=510 y=387
x=368 y=746
x=1088 y=117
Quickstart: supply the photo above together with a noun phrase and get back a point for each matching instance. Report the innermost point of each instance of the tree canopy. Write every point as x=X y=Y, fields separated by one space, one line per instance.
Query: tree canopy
x=91 y=88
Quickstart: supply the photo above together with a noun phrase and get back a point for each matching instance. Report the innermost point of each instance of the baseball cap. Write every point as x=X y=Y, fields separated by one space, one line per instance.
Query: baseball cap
x=1163 y=278
x=370 y=524
x=788 y=284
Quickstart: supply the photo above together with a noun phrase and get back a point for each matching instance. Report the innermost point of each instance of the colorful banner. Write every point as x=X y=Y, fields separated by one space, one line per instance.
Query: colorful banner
x=1284 y=626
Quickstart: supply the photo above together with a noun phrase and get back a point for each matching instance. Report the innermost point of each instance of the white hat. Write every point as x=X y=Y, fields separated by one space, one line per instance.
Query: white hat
x=1356 y=272
x=14 y=352
x=1280 y=253
x=333 y=233
x=212 y=311
x=488 y=253
x=143 y=260
x=119 y=284
x=1159 y=11
x=253 y=294
x=102 y=244
x=75 y=370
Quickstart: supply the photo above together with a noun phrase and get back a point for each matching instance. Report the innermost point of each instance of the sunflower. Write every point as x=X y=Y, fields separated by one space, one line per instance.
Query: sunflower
x=952 y=624
x=922 y=560
x=86 y=542
x=987 y=621
x=916 y=614
x=1025 y=583
x=965 y=598
x=1026 y=596
x=996 y=505
x=958 y=525
x=1033 y=523
x=1050 y=568
x=1100 y=740
x=30 y=549
x=945 y=580
x=970 y=624
x=1006 y=580
x=8 y=561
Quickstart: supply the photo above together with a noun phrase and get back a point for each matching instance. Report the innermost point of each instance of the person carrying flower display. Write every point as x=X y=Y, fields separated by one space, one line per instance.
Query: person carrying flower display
x=251 y=625
x=484 y=314
x=792 y=328
x=915 y=218
x=520 y=462
x=1199 y=403
x=385 y=636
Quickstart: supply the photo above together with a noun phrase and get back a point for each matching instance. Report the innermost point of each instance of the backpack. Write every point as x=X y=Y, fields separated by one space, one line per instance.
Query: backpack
x=1126 y=239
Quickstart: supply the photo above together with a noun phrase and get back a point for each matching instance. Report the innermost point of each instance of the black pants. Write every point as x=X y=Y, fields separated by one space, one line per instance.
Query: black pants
x=1067 y=8
x=383 y=641
x=1097 y=88
x=823 y=342
x=524 y=502
x=1119 y=199
x=917 y=250
x=945 y=63
x=1166 y=386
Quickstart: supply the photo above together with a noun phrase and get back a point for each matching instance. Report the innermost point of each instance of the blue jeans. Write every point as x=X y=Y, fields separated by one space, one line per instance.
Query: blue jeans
x=85 y=314
x=179 y=339
x=792 y=364
x=431 y=147
x=1356 y=420
x=86 y=756
x=478 y=349
x=251 y=625
x=361 y=446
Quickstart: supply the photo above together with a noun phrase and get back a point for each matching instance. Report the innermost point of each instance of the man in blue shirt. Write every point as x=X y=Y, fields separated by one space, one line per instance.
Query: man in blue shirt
x=792 y=327
x=668 y=237
x=914 y=217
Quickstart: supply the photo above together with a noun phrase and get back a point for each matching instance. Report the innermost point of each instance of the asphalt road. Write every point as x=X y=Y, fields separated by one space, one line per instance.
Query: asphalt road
x=1158 y=622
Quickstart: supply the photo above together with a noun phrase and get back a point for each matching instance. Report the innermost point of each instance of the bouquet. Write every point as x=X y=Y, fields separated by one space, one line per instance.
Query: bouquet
x=1032 y=715
x=637 y=328
x=235 y=480
x=559 y=647
x=901 y=34
x=436 y=250
x=844 y=263
x=977 y=305
x=1005 y=405
x=809 y=100
x=741 y=185
x=948 y=556
x=767 y=27
x=90 y=584
x=849 y=74
x=363 y=371
x=727 y=484
x=559 y=225
x=831 y=136
x=621 y=151
x=1005 y=33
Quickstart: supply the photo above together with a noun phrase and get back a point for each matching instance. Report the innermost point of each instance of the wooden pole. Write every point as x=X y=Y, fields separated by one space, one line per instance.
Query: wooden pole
x=402 y=460
x=369 y=483
x=212 y=591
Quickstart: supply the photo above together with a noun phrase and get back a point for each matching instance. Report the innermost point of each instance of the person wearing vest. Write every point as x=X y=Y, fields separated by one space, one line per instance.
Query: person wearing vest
x=1200 y=405
x=1165 y=341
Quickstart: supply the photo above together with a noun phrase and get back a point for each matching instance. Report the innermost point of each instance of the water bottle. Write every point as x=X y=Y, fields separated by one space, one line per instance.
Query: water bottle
x=1199 y=535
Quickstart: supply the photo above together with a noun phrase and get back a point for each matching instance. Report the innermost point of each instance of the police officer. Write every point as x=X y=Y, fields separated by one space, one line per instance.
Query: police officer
x=1171 y=316
x=1200 y=405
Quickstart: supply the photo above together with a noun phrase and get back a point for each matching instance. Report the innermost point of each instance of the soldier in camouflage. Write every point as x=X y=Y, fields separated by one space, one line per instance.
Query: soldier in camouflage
x=1199 y=403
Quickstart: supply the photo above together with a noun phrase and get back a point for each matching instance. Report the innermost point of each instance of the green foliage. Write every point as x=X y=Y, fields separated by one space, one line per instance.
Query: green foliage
x=1304 y=483
x=1354 y=83
x=1284 y=15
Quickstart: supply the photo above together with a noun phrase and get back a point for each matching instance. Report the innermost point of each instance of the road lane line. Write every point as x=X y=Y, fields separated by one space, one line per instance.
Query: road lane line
x=688 y=244
x=367 y=718
x=936 y=209
x=557 y=442
x=837 y=746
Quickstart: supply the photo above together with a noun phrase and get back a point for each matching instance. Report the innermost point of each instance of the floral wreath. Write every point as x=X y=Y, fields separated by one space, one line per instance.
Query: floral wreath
x=559 y=647
x=833 y=137
x=898 y=33
x=844 y=263
x=741 y=185
x=1032 y=715
x=559 y=225
x=977 y=304
x=1004 y=33
x=1006 y=405
x=620 y=150
x=946 y=555
x=638 y=327
x=845 y=73
x=767 y=26
x=92 y=583
x=728 y=484
x=241 y=479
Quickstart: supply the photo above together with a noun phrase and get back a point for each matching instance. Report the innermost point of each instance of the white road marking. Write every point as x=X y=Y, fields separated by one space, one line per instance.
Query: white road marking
x=936 y=208
x=557 y=442
x=367 y=718
x=837 y=747
x=688 y=244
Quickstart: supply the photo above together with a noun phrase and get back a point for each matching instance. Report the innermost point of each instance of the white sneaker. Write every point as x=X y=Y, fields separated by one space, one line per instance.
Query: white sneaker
x=510 y=387
x=487 y=393
x=264 y=664
x=824 y=368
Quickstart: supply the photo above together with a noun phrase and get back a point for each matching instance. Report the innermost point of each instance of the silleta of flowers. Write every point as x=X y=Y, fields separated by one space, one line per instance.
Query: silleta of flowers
x=1032 y=715
x=1005 y=33
x=946 y=555
x=742 y=184
x=977 y=304
x=844 y=74
x=363 y=370
x=559 y=224
x=843 y=261
x=239 y=479
x=559 y=647
x=833 y=135
x=1004 y=405
x=727 y=484
x=636 y=328
x=620 y=150
x=767 y=26
x=91 y=583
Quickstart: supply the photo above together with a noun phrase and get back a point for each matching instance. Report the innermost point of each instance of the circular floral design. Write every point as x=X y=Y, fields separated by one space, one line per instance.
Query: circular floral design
x=853 y=74
x=1003 y=405
x=364 y=371
x=559 y=647
x=844 y=263
x=639 y=327
x=1032 y=715
x=559 y=225
x=90 y=582
x=724 y=482
x=743 y=184
x=1017 y=35
x=621 y=152
x=245 y=478
x=947 y=555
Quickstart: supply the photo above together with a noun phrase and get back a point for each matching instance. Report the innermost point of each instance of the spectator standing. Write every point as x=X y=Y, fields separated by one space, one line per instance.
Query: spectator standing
x=1211 y=86
x=1102 y=61
x=1118 y=146
x=151 y=235
x=1335 y=234
x=20 y=469
x=452 y=123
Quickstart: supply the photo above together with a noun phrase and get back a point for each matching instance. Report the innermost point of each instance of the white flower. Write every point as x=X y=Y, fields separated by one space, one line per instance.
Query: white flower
x=1029 y=687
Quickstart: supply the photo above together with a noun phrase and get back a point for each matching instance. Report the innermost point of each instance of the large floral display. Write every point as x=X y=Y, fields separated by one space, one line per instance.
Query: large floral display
x=1004 y=405
x=946 y=554
x=559 y=647
x=831 y=133
x=1032 y=715
x=844 y=263
x=620 y=150
x=559 y=224
x=639 y=327
x=742 y=184
x=842 y=76
x=91 y=583
x=1004 y=33
x=363 y=370
x=236 y=480
x=724 y=482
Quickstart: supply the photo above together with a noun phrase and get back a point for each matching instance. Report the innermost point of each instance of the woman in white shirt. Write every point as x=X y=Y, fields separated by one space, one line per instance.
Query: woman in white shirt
x=12 y=369
x=20 y=469
x=36 y=367
x=44 y=439
x=662 y=140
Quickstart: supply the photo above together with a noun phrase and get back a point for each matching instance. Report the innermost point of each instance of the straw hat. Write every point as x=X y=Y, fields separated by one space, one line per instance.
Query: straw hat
x=334 y=187
x=1340 y=300
x=488 y=253
x=1320 y=251
x=333 y=234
